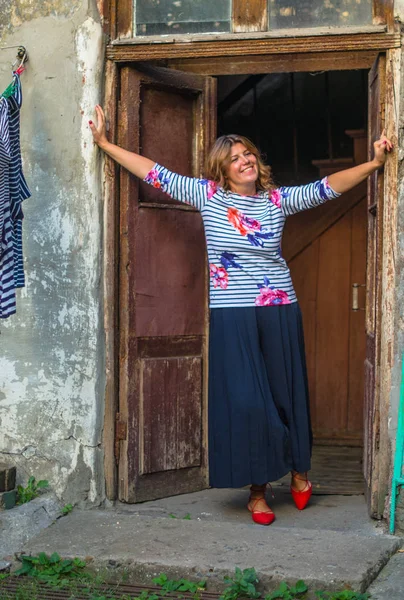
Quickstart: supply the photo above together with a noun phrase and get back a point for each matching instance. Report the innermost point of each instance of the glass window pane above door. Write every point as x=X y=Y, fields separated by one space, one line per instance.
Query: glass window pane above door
x=319 y=13
x=167 y=17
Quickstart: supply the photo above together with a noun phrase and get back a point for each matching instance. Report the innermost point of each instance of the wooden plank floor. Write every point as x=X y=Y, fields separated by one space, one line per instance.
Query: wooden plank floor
x=335 y=470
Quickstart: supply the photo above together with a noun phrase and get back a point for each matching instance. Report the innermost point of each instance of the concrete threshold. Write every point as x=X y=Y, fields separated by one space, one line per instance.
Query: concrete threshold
x=20 y=524
x=331 y=545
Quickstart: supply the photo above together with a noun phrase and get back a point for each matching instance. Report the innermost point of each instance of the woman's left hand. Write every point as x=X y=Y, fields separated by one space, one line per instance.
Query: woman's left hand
x=381 y=147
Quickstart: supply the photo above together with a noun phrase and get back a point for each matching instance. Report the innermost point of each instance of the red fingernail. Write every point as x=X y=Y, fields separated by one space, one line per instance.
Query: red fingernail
x=384 y=143
x=90 y=122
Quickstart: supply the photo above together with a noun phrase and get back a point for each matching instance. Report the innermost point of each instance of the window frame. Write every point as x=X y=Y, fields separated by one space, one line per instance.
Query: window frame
x=248 y=16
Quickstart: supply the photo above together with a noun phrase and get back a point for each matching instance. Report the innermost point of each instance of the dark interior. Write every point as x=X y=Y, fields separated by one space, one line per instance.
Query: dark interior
x=294 y=118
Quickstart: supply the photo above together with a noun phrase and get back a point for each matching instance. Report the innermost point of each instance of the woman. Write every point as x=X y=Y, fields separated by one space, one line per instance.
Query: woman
x=259 y=421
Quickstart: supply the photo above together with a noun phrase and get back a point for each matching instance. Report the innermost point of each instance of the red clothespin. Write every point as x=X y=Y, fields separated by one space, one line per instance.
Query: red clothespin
x=23 y=57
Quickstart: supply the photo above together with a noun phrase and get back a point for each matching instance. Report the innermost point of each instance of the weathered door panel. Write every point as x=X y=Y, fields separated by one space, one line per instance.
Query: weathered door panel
x=169 y=117
x=171 y=272
x=171 y=435
x=373 y=291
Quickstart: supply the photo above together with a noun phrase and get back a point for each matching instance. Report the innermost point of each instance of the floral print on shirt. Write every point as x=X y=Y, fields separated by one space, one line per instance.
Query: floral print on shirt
x=156 y=179
x=323 y=186
x=212 y=187
x=251 y=228
x=269 y=296
x=219 y=275
x=227 y=260
x=277 y=196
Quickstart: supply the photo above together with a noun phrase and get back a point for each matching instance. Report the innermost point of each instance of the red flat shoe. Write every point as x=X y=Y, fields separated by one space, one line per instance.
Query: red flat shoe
x=301 y=498
x=260 y=517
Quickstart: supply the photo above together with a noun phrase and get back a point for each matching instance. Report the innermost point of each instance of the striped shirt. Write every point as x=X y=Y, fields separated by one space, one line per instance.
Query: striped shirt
x=243 y=235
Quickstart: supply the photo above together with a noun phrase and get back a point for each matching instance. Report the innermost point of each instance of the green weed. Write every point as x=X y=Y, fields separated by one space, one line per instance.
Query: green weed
x=26 y=494
x=67 y=509
x=284 y=592
x=52 y=569
x=242 y=585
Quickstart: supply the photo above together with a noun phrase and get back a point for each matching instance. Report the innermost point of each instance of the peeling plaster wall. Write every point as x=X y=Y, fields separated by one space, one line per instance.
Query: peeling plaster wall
x=52 y=351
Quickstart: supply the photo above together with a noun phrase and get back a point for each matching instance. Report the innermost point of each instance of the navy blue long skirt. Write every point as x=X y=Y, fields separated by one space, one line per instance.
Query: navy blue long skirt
x=259 y=417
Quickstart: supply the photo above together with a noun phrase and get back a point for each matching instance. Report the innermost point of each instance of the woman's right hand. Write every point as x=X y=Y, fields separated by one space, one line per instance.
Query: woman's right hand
x=99 y=130
x=134 y=163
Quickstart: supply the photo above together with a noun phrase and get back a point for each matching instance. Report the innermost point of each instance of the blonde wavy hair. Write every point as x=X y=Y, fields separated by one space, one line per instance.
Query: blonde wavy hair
x=219 y=159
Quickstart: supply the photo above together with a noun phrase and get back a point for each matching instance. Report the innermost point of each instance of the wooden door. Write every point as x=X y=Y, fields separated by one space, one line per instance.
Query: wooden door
x=326 y=252
x=373 y=287
x=169 y=117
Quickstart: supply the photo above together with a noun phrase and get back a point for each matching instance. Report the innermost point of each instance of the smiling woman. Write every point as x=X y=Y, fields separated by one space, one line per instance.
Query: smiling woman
x=259 y=422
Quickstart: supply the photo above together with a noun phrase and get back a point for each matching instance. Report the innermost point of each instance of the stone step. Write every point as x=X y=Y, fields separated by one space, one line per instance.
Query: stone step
x=144 y=546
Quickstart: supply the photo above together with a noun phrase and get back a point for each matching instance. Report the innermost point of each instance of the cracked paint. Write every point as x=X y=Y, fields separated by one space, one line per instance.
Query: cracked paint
x=16 y=13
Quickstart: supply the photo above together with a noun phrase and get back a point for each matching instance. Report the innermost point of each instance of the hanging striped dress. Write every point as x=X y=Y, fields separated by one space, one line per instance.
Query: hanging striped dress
x=13 y=190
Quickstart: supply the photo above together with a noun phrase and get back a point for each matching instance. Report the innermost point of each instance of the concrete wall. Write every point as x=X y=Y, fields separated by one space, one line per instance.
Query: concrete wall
x=52 y=351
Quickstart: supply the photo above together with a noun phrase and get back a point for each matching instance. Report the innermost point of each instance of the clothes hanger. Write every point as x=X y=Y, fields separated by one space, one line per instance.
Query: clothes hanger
x=22 y=57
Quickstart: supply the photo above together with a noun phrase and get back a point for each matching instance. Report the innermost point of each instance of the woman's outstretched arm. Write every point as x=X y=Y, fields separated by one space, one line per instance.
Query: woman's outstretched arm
x=343 y=181
x=191 y=190
x=135 y=163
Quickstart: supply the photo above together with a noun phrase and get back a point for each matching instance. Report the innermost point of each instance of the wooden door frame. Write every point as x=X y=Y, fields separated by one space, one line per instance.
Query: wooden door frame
x=385 y=326
x=300 y=54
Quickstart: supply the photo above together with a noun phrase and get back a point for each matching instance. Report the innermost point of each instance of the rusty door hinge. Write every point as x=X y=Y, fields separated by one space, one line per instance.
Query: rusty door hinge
x=121 y=432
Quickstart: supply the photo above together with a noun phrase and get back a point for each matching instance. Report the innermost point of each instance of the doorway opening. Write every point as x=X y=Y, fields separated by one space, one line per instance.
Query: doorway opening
x=309 y=125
